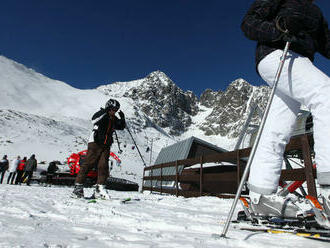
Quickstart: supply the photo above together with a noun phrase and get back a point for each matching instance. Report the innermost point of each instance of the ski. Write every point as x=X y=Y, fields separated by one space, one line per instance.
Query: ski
x=121 y=200
x=319 y=235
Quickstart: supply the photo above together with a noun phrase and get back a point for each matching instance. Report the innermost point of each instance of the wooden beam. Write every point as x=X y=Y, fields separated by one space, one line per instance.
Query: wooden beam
x=311 y=187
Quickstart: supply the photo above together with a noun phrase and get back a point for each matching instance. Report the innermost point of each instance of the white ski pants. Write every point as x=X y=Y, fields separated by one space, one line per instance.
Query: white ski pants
x=300 y=83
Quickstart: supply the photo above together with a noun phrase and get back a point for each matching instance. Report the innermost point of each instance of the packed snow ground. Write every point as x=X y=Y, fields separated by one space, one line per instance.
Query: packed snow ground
x=39 y=216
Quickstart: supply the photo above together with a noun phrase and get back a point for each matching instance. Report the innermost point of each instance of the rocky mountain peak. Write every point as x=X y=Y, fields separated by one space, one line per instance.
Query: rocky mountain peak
x=230 y=108
x=164 y=102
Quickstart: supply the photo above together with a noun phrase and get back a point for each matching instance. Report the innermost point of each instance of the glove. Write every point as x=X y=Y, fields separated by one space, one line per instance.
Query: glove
x=104 y=110
x=286 y=35
x=288 y=38
x=121 y=114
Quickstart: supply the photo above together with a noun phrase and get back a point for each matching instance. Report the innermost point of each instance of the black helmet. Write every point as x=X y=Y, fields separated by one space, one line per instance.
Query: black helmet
x=112 y=104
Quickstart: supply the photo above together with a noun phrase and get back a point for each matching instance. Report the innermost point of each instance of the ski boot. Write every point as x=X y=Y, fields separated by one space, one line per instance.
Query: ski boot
x=100 y=192
x=78 y=191
x=274 y=206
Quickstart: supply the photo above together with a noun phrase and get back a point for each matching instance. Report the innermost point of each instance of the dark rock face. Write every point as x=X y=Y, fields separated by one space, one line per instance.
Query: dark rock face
x=230 y=110
x=165 y=103
x=210 y=97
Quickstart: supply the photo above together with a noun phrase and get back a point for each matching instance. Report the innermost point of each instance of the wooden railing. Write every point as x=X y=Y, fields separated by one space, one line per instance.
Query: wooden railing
x=225 y=183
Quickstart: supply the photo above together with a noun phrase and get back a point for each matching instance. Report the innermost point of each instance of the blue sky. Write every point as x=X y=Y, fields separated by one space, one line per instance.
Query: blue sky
x=87 y=43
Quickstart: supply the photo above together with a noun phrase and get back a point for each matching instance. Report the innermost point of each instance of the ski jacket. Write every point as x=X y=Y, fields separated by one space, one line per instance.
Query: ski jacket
x=4 y=164
x=52 y=168
x=21 y=165
x=13 y=166
x=260 y=24
x=31 y=165
x=104 y=126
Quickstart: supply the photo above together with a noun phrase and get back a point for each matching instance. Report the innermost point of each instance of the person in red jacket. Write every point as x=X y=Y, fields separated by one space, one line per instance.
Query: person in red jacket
x=20 y=171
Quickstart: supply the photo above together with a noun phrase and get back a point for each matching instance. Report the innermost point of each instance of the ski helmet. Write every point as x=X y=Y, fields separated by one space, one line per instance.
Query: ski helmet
x=112 y=104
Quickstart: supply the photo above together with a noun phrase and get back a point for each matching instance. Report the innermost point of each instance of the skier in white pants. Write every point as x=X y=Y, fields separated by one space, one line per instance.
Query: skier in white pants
x=300 y=83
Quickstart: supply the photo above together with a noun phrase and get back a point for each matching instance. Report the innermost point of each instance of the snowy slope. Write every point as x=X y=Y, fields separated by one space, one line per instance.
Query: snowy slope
x=52 y=119
x=25 y=90
x=35 y=217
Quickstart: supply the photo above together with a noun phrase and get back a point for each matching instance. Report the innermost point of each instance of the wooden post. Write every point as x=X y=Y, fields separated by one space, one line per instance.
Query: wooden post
x=161 y=179
x=201 y=177
x=176 y=179
x=238 y=168
x=151 y=181
x=311 y=187
x=144 y=173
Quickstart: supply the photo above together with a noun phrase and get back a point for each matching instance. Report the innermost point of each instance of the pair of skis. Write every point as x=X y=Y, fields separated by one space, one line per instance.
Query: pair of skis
x=309 y=226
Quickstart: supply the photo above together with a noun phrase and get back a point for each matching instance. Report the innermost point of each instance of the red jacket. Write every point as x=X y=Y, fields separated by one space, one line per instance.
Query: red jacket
x=21 y=165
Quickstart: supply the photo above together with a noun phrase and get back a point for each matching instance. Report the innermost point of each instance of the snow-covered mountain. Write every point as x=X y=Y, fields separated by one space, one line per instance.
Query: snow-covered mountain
x=51 y=119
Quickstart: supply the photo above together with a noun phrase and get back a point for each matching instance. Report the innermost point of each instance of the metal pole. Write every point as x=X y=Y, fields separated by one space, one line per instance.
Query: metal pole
x=120 y=150
x=255 y=145
x=151 y=152
x=201 y=177
x=144 y=163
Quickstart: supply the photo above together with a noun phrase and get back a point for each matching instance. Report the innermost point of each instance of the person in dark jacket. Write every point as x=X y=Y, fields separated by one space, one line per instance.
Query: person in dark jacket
x=105 y=123
x=52 y=168
x=272 y=23
x=4 y=165
x=20 y=171
x=31 y=165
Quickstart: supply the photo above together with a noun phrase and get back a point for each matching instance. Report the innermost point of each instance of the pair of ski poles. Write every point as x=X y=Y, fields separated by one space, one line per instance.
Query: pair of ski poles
x=255 y=145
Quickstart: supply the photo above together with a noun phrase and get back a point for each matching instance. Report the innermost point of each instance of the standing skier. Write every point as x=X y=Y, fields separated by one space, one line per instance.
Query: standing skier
x=105 y=123
x=272 y=23
x=4 y=164
x=12 y=170
x=31 y=165
x=20 y=171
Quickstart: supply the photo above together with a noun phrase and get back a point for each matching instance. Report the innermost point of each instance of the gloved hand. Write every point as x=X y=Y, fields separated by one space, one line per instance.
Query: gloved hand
x=121 y=114
x=286 y=35
x=293 y=24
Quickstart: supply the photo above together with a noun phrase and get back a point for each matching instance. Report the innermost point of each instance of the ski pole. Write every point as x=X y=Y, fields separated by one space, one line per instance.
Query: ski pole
x=255 y=145
x=136 y=145
x=120 y=150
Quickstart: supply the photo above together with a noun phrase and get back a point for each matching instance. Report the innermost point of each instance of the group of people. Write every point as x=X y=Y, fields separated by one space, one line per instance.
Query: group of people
x=20 y=170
